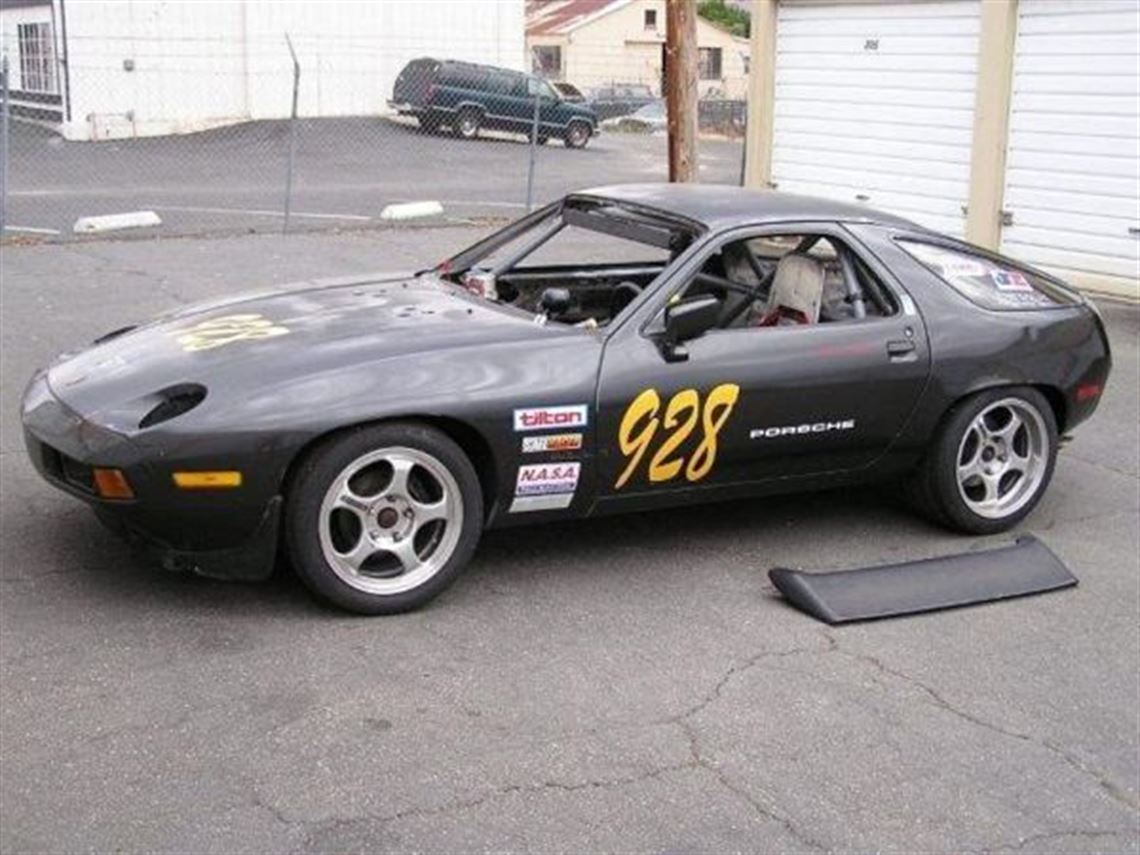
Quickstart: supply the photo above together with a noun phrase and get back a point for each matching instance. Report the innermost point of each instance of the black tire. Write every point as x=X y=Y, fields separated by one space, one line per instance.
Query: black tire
x=467 y=123
x=934 y=487
x=577 y=134
x=541 y=140
x=319 y=470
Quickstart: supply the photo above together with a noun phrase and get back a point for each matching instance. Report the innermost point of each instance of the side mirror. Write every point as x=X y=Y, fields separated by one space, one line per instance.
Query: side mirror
x=687 y=320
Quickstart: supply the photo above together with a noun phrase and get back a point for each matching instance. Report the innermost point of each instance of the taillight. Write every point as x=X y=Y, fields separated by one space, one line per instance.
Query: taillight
x=1088 y=391
x=430 y=92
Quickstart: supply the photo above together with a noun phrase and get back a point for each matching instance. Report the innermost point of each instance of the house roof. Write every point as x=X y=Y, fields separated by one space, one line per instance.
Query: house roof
x=558 y=17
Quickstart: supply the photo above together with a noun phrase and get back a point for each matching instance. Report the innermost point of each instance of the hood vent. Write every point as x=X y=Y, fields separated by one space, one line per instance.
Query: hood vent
x=172 y=402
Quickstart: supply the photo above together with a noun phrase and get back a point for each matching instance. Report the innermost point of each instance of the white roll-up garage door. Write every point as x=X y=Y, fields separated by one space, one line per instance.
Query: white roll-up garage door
x=1073 y=163
x=875 y=103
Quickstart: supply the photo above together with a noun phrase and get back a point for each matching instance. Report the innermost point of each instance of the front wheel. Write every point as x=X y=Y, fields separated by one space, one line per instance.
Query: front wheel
x=577 y=135
x=381 y=519
x=990 y=462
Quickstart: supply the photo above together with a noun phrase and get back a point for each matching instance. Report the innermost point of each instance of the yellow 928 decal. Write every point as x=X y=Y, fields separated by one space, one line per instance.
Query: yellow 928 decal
x=642 y=421
x=228 y=329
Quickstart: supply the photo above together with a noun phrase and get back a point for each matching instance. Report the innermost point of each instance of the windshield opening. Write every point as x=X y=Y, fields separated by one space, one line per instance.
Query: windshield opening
x=581 y=261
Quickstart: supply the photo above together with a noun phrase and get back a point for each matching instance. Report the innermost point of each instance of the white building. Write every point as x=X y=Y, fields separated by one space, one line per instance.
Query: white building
x=102 y=70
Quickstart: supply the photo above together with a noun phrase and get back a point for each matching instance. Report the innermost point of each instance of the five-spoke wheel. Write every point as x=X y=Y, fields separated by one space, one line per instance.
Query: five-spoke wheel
x=991 y=461
x=382 y=518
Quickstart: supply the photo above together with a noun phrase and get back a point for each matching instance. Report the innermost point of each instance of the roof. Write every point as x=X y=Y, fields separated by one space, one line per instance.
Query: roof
x=720 y=206
x=557 y=17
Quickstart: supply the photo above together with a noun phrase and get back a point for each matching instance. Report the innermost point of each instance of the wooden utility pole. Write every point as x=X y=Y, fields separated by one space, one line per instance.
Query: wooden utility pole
x=681 y=87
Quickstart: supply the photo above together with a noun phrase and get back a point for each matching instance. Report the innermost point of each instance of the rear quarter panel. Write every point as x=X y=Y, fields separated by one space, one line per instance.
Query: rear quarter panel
x=1057 y=349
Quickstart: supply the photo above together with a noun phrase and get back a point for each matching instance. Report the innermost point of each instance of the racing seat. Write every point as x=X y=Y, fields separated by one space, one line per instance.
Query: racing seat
x=797 y=290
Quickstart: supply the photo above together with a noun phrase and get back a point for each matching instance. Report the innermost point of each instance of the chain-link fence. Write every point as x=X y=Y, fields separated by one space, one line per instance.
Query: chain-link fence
x=276 y=133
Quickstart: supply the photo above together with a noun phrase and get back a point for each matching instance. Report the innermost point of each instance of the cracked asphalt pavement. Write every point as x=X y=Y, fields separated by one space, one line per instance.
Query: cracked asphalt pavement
x=624 y=684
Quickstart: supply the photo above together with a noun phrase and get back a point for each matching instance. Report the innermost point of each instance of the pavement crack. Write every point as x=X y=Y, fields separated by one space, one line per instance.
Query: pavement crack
x=736 y=670
x=1106 y=784
x=698 y=759
x=1035 y=839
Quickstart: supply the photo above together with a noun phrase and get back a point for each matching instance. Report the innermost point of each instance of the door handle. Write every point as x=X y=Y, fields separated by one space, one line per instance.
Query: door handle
x=901 y=350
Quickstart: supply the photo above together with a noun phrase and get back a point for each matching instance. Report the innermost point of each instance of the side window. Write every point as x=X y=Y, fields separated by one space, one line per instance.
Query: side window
x=789 y=280
x=990 y=283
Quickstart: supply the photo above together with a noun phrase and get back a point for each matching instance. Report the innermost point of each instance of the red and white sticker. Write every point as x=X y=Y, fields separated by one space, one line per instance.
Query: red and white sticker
x=552 y=442
x=549 y=418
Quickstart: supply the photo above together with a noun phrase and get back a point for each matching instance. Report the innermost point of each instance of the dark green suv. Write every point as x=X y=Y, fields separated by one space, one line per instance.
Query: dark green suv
x=467 y=97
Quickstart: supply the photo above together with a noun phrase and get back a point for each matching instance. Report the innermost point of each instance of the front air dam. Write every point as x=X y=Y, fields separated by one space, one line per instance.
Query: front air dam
x=1026 y=567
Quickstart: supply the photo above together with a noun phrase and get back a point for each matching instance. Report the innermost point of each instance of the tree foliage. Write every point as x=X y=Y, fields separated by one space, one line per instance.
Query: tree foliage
x=726 y=16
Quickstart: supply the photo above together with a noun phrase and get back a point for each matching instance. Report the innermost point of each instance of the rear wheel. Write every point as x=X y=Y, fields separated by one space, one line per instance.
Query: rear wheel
x=467 y=122
x=429 y=124
x=381 y=519
x=991 y=461
x=577 y=135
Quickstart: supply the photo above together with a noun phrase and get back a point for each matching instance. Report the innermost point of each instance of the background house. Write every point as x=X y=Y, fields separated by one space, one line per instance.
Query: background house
x=146 y=67
x=592 y=43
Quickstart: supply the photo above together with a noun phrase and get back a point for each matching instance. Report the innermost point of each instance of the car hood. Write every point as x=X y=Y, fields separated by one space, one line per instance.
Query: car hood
x=237 y=346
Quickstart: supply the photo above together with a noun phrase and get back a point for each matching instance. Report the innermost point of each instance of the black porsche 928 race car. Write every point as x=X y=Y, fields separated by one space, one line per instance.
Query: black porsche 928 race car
x=621 y=349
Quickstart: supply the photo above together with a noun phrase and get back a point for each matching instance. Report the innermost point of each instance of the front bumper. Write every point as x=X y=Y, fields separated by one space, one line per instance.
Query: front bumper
x=222 y=534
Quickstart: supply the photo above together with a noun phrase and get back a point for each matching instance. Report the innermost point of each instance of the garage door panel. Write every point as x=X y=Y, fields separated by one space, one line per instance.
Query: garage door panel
x=1123 y=166
x=1093 y=186
x=1080 y=84
x=1063 y=105
x=1079 y=143
x=867 y=182
x=928 y=117
x=871 y=61
x=964 y=45
x=1084 y=44
x=1065 y=262
x=1088 y=19
x=1087 y=225
x=851 y=143
x=1066 y=240
x=884 y=26
x=1073 y=175
x=876 y=79
x=873 y=134
x=1077 y=124
x=1060 y=65
x=871 y=12
x=898 y=95
x=860 y=162
x=1119 y=207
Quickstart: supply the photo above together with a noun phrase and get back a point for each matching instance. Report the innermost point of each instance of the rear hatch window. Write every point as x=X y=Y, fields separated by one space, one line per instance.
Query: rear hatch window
x=414 y=81
x=991 y=283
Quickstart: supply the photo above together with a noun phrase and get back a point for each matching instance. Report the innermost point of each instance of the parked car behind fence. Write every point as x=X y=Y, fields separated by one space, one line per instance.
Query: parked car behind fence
x=466 y=98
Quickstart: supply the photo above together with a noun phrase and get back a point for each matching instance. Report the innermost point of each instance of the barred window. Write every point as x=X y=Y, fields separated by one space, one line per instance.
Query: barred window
x=708 y=63
x=37 y=58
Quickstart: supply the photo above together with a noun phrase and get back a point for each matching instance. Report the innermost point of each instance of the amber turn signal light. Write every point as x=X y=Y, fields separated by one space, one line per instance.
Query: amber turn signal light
x=112 y=484
x=219 y=480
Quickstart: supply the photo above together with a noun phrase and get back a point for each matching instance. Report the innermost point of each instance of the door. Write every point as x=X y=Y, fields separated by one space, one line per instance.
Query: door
x=750 y=403
x=1072 y=185
x=547 y=106
x=874 y=103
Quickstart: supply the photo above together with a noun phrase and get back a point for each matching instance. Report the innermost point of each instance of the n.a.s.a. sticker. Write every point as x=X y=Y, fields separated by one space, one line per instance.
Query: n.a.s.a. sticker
x=647 y=427
x=228 y=329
